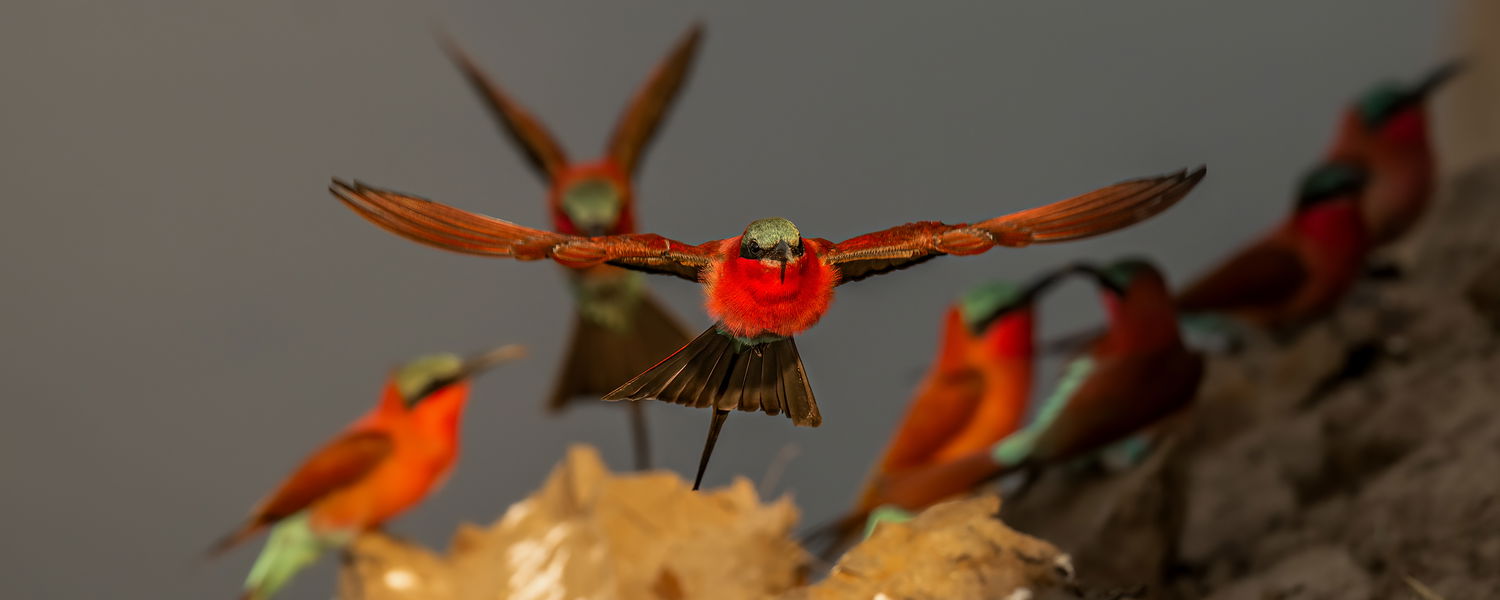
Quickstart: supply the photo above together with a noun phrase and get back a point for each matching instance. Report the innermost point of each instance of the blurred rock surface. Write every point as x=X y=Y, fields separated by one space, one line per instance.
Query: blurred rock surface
x=1297 y=475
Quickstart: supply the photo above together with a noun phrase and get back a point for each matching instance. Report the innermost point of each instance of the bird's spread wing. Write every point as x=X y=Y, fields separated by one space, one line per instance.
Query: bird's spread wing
x=448 y=228
x=1096 y=212
x=542 y=150
x=644 y=115
x=340 y=464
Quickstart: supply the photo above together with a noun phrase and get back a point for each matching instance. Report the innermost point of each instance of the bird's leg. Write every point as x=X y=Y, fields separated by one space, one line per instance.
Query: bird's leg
x=640 y=437
x=708 y=445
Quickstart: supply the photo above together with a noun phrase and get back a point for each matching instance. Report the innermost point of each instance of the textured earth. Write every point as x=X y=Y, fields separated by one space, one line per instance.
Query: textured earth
x=1358 y=459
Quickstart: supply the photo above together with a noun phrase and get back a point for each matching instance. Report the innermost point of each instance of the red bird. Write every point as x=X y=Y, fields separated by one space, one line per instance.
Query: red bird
x=1137 y=373
x=1385 y=132
x=619 y=328
x=761 y=287
x=975 y=394
x=1303 y=267
x=382 y=465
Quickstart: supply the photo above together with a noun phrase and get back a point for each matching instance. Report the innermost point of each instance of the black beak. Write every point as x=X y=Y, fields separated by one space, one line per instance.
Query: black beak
x=1029 y=294
x=1438 y=77
x=1035 y=288
x=475 y=365
x=1103 y=279
x=782 y=252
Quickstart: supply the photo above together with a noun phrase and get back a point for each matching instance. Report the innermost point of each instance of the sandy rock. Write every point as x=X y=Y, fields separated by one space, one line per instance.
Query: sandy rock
x=590 y=534
x=1434 y=516
x=1324 y=573
x=1230 y=499
x=956 y=550
x=1462 y=226
x=1113 y=526
x=1484 y=293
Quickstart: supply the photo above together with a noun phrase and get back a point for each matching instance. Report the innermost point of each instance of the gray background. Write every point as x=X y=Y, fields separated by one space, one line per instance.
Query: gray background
x=186 y=312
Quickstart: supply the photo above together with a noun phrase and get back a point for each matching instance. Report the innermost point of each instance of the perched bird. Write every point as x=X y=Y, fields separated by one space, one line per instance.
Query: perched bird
x=763 y=286
x=975 y=394
x=619 y=329
x=1132 y=376
x=1385 y=132
x=383 y=464
x=1303 y=267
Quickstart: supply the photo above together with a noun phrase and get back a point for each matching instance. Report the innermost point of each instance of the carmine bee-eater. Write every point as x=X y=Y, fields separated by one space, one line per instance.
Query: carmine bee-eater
x=1303 y=267
x=763 y=286
x=1386 y=132
x=975 y=394
x=383 y=464
x=1131 y=377
x=619 y=330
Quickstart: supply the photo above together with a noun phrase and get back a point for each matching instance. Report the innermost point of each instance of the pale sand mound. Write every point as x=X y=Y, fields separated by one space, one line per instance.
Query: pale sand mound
x=592 y=534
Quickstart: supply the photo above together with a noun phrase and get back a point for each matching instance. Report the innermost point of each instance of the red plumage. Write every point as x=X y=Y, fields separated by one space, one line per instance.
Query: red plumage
x=1299 y=271
x=751 y=298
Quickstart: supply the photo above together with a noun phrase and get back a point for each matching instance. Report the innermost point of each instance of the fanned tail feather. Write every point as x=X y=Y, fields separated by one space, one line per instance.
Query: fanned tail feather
x=715 y=370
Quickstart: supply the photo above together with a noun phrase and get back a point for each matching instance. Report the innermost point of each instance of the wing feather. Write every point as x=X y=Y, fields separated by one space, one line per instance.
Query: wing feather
x=455 y=230
x=542 y=151
x=1094 y=213
x=641 y=119
x=1263 y=274
x=341 y=463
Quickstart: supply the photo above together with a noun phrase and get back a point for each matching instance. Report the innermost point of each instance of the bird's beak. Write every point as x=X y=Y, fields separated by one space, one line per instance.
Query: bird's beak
x=1102 y=277
x=1439 y=76
x=475 y=365
x=1035 y=288
x=783 y=253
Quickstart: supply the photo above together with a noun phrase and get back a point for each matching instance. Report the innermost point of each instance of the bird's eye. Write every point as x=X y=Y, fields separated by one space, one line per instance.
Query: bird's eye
x=754 y=246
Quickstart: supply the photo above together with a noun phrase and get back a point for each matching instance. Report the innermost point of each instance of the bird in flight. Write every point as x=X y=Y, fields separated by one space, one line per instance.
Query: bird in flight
x=619 y=329
x=761 y=287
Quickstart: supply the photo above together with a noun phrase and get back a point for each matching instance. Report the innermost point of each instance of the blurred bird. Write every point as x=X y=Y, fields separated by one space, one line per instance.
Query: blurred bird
x=1385 y=132
x=1303 y=267
x=619 y=329
x=1131 y=377
x=975 y=394
x=763 y=286
x=383 y=464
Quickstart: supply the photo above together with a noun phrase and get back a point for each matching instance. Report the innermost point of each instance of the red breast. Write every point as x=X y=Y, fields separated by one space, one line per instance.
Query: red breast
x=752 y=297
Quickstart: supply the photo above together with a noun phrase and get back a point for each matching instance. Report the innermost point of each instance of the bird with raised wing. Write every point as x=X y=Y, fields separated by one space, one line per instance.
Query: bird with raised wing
x=619 y=329
x=763 y=286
